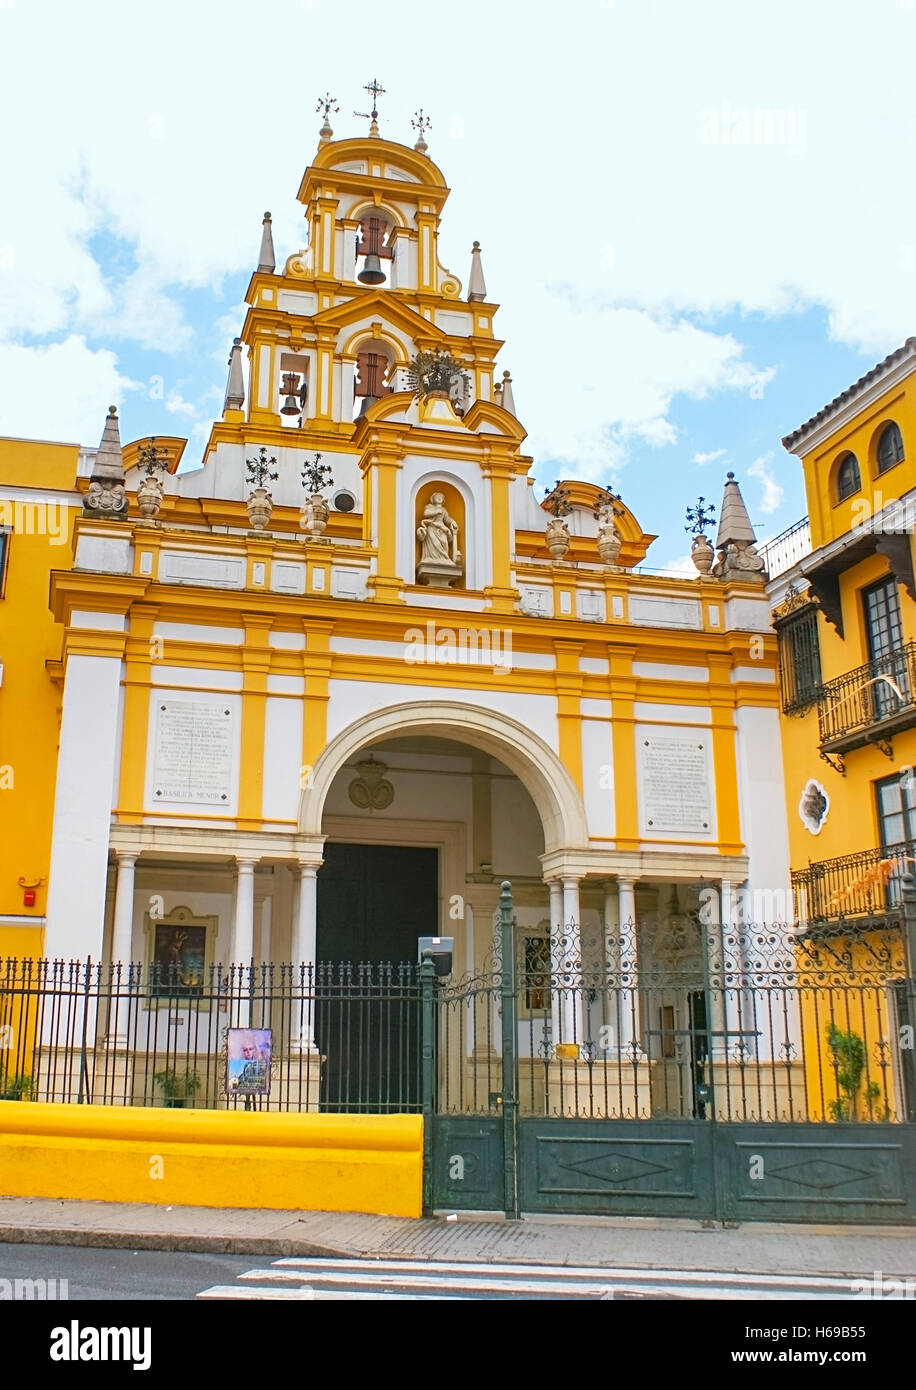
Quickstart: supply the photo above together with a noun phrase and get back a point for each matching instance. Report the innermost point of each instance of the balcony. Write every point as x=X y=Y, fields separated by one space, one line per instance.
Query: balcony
x=869 y=704
x=862 y=887
x=786 y=549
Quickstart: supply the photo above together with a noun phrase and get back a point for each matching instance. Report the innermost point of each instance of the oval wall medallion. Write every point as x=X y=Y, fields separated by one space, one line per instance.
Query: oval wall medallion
x=813 y=806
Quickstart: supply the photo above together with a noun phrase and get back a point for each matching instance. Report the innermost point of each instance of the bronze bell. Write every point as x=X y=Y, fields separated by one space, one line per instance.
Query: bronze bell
x=367 y=402
x=291 y=406
x=371 y=273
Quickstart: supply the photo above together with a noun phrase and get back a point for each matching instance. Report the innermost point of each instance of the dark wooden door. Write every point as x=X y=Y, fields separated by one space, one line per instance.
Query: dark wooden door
x=373 y=903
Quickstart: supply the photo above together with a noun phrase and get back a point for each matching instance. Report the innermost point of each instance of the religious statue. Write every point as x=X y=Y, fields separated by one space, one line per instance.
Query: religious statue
x=438 y=536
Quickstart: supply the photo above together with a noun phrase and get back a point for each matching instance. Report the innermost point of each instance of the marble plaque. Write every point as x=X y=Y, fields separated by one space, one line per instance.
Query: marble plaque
x=193 y=760
x=675 y=783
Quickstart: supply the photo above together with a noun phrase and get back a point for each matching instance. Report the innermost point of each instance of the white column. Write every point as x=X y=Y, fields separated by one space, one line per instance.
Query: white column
x=86 y=760
x=121 y=943
x=305 y=927
x=572 y=1010
x=556 y=932
x=715 y=974
x=122 y=934
x=305 y=916
x=628 y=964
x=243 y=933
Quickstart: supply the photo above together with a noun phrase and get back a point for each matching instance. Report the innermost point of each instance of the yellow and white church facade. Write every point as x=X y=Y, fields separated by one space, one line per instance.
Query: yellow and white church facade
x=317 y=717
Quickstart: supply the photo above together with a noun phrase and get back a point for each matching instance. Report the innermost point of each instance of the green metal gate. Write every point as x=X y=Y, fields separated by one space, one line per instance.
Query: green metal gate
x=723 y=1119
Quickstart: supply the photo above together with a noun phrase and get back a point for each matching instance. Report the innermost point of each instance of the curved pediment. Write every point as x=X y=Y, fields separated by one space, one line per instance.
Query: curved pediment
x=361 y=155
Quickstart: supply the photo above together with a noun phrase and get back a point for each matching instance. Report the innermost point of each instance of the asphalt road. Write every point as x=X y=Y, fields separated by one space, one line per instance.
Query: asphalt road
x=117 y=1275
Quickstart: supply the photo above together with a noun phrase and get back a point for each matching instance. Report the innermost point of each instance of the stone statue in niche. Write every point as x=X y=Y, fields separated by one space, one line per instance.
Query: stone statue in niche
x=440 y=557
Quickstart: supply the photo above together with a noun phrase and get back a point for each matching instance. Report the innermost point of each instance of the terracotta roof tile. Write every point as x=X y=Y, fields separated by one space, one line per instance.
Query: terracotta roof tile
x=792 y=439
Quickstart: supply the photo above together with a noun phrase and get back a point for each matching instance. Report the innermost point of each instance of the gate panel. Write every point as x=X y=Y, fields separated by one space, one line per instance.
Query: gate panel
x=841 y=1173
x=467 y=1163
x=627 y=1168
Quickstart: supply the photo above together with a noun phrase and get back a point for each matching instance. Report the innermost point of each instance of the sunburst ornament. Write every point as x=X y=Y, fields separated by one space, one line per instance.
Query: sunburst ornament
x=431 y=372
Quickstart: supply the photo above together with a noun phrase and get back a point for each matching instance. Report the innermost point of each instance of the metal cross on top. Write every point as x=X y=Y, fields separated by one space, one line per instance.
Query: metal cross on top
x=375 y=90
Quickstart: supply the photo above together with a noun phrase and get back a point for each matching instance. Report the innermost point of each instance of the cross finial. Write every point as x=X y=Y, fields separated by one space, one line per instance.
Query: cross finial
x=375 y=90
x=326 y=103
x=421 y=123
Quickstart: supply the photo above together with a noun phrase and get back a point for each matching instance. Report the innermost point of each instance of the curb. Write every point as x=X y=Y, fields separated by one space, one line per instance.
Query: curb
x=174 y=1241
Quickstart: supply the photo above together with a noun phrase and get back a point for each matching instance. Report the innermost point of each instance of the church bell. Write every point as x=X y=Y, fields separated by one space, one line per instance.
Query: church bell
x=371 y=273
x=292 y=405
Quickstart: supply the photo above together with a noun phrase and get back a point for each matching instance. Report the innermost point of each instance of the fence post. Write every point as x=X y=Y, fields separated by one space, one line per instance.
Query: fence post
x=509 y=999
x=907 y=1055
x=428 y=1071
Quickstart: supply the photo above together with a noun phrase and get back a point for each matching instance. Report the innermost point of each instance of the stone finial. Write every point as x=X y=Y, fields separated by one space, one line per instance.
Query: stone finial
x=267 y=260
x=106 y=496
x=477 y=290
x=506 y=398
x=738 y=558
x=327 y=103
x=235 y=386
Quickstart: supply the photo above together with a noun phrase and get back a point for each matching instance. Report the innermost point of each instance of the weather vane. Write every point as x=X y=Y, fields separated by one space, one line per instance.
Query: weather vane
x=375 y=90
x=420 y=123
x=327 y=103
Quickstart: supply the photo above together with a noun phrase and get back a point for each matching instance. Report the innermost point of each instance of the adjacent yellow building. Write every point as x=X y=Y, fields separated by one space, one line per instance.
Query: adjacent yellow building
x=844 y=607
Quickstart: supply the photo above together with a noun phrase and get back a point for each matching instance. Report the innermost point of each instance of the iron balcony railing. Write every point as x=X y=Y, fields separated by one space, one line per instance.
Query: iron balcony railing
x=865 y=884
x=786 y=549
x=870 y=703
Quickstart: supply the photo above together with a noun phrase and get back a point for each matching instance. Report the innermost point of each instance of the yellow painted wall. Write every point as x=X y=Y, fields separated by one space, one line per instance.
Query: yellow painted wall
x=830 y=518
x=29 y=700
x=366 y=1163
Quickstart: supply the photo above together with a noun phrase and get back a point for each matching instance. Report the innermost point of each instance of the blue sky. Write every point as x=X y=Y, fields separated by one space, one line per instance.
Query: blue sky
x=698 y=216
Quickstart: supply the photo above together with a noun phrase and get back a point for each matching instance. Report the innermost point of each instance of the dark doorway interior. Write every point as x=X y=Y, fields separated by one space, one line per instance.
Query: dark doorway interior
x=373 y=903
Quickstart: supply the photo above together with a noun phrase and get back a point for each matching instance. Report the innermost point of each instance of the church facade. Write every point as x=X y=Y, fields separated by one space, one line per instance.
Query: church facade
x=318 y=696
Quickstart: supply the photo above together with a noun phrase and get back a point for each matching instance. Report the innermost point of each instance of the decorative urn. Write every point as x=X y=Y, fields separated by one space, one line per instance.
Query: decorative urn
x=558 y=538
x=260 y=505
x=149 y=497
x=702 y=553
x=318 y=512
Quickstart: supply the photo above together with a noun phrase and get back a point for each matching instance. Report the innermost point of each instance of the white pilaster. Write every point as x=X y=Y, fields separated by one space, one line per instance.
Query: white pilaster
x=572 y=1012
x=82 y=808
x=556 y=934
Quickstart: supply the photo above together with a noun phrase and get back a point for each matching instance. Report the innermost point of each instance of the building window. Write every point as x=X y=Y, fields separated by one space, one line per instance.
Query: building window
x=4 y=558
x=890 y=447
x=799 y=660
x=848 y=480
x=896 y=803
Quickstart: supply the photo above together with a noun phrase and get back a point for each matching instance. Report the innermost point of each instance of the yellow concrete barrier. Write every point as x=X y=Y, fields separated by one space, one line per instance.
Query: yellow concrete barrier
x=213 y=1158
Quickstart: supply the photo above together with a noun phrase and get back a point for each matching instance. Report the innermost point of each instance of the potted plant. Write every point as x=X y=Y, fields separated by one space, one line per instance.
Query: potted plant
x=177 y=1086
x=698 y=518
x=15 y=1087
x=848 y=1060
x=558 y=537
x=261 y=471
x=153 y=462
x=315 y=476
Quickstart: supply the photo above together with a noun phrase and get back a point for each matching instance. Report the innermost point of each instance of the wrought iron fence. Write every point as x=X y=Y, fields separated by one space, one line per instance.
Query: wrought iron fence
x=860 y=701
x=675 y=1018
x=681 y=1020
x=342 y=1037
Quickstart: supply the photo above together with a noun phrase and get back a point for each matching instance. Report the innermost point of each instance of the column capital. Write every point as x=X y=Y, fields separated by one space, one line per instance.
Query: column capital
x=627 y=883
x=246 y=863
x=127 y=857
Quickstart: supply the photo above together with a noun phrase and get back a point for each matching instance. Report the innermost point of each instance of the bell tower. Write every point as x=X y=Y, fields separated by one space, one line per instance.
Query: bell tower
x=333 y=336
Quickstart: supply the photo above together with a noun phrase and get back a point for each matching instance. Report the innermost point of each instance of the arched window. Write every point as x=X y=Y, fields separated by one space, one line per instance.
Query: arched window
x=847 y=477
x=890 y=447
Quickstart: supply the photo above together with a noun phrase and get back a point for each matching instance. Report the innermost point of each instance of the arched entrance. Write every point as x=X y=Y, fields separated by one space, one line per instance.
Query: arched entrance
x=420 y=810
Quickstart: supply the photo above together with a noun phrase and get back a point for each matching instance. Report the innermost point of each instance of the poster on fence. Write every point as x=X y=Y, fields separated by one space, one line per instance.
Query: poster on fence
x=248 y=1061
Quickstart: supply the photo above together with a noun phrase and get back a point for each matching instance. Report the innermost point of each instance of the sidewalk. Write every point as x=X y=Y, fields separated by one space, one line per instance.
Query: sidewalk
x=624 y=1243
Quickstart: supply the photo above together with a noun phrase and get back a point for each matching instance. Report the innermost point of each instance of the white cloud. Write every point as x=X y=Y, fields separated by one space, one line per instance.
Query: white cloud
x=60 y=391
x=710 y=457
x=772 y=490
x=176 y=404
x=655 y=210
